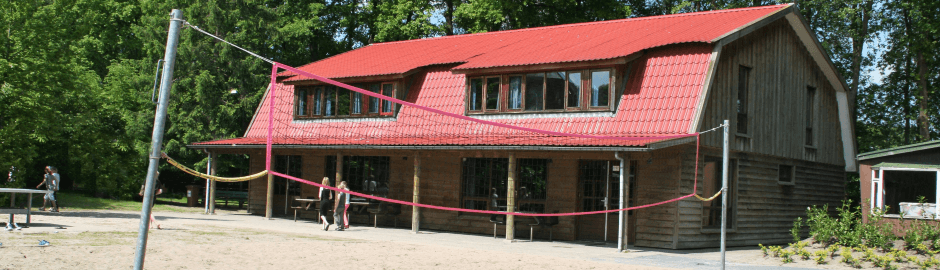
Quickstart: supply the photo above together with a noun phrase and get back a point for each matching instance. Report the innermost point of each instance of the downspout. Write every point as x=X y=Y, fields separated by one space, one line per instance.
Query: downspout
x=622 y=221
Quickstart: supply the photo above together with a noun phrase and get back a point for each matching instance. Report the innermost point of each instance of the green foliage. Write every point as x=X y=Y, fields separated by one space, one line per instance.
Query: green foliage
x=795 y=231
x=848 y=229
x=786 y=254
x=821 y=256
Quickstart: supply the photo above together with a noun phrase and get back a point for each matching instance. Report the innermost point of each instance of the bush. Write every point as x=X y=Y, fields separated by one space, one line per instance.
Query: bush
x=848 y=229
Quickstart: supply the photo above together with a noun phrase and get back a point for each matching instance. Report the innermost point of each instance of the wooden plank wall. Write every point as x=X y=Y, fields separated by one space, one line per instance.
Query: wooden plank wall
x=781 y=71
x=764 y=210
x=441 y=179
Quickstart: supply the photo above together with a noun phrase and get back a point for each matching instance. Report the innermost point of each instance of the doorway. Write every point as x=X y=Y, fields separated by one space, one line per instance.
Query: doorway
x=598 y=190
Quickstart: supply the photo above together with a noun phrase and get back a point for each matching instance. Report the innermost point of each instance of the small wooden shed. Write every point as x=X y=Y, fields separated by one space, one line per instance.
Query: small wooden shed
x=903 y=181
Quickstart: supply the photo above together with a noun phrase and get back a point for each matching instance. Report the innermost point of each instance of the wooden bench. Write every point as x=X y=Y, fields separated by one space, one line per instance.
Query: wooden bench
x=240 y=196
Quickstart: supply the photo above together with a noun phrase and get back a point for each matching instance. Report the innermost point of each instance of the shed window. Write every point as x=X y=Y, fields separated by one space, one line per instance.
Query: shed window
x=711 y=184
x=744 y=74
x=555 y=91
x=331 y=101
x=904 y=190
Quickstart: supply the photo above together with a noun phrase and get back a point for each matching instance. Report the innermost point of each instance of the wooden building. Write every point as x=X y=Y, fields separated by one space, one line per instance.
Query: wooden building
x=760 y=67
x=902 y=181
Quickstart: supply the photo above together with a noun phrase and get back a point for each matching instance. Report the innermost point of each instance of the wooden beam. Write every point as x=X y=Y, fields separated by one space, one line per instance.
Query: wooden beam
x=212 y=166
x=511 y=198
x=415 y=210
x=269 y=203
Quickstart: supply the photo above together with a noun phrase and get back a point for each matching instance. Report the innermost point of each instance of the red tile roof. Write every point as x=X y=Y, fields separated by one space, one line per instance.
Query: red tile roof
x=542 y=45
x=661 y=103
x=660 y=98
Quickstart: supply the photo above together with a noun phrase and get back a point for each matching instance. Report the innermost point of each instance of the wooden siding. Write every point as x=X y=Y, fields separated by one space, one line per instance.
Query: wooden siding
x=764 y=209
x=441 y=183
x=781 y=71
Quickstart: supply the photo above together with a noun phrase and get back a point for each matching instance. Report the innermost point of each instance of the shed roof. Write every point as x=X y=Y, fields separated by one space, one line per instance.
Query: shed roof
x=900 y=150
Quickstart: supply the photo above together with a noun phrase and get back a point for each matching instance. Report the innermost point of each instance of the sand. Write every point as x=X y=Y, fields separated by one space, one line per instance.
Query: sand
x=234 y=240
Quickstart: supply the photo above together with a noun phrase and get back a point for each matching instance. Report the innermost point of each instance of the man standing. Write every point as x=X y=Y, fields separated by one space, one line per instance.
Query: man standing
x=51 y=180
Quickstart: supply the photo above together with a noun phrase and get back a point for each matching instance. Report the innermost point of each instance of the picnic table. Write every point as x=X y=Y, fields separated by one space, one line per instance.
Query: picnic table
x=29 y=202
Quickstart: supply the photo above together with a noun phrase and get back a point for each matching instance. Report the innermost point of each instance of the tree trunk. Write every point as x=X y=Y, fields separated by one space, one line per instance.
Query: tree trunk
x=923 y=122
x=449 y=18
x=858 y=47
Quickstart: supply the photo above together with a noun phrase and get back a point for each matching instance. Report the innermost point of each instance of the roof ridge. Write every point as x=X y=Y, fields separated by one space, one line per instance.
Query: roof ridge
x=584 y=23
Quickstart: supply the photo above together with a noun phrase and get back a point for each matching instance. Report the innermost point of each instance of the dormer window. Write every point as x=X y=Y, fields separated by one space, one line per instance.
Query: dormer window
x=554 y=91
x=331 y=101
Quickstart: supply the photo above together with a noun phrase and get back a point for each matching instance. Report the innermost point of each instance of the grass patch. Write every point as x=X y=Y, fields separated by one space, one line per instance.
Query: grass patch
x=80 y=201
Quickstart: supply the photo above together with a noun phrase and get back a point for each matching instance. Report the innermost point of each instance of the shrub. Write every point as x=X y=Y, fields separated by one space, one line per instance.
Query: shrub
x=786 y=255
x=821 y=256
x=795 y=231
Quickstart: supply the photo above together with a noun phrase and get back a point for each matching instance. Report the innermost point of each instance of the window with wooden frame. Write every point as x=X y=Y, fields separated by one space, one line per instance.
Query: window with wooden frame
x=331 y=101
x=363 y=174
x=484 y=184
x=711 y=184
x=554 y=91
x=786 y=175
x=744 y=75
x=810 y=114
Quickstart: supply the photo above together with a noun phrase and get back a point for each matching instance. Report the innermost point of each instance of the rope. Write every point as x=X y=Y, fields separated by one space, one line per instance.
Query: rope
x=229 y=43
x=709 y=198
x=472 y=210
x=212 y=177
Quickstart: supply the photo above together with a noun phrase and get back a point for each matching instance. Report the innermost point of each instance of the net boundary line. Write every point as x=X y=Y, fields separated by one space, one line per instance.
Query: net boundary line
x=454 y=209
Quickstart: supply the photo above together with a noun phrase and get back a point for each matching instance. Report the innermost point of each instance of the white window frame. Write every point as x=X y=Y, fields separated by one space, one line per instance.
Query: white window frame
x=878 y=179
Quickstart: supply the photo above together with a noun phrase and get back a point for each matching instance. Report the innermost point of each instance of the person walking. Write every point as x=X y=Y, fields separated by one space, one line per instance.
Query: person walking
x=341 y=197
x=326 y=198
x=157 y=190
x=51 y=180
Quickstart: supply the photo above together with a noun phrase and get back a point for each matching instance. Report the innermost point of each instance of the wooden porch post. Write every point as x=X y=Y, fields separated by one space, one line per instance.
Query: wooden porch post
x=214 y=159
x=415 y=210
x=511 y=199
x=269 y=203
x=339 y=171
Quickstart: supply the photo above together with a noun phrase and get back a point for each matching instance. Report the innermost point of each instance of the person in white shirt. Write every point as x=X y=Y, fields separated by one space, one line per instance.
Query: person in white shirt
x=51 y=180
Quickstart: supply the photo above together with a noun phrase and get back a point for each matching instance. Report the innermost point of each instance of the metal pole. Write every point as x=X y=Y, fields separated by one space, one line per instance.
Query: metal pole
x=511 y=199
x=724 y=192
x=415 y=210
x=159 y=123
x=621 y=242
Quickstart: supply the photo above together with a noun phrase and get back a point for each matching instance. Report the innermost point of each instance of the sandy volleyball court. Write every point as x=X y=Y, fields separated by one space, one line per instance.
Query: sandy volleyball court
x=234 y=240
